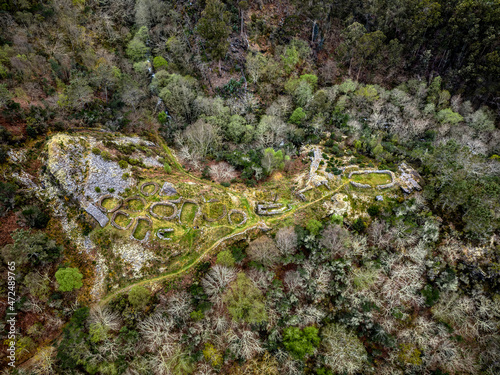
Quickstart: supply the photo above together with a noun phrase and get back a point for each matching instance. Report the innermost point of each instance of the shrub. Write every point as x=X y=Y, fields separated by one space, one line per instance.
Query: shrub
x=359 y=225
x=225 y=184
x=314 y=226
x=139 y=297
x=297 y=116
x=97 y=189
x=35 y=217
x=96 y=151
x=430 y=294
x=160 y=63
x=212 y=355
x=300 y=342
x=447 y=116
x=410 y=355
x=167 y=168
x=225 y=258
x=106 y=155
x=30 y=247
x=123 y=164
x=373 y=210
x=69 y=279
x=245 y=301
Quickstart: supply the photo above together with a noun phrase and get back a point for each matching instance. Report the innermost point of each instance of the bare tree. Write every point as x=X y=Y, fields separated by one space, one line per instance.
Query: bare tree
x=334 y=238
x=156 y=330
x=263 y=250
x=43 y=361
x=286 y=240
x=107 y=318
x=222 y=172
x=216 y=280
x=201 y=137
x=179 y=306
x=245 y=345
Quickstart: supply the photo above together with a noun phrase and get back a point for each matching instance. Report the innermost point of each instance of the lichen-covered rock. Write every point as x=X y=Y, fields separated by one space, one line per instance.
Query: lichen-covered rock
x=80 y=172
x=168 y=190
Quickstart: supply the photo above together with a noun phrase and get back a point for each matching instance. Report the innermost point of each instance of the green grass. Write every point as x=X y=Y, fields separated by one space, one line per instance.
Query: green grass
x=163 y=210
x=372 y=179
x=237 y=218
x=109 y=203
x=135 y=204
x=214 y=210
x=142 y=228
x=188 y=213
x=122 y=220
x=187 y=241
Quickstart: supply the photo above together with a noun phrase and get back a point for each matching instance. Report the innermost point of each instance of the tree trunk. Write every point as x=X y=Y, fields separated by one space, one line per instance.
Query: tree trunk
x=220 y=70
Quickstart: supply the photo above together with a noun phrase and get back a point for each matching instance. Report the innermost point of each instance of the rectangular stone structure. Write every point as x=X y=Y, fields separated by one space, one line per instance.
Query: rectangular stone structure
x=97 y=214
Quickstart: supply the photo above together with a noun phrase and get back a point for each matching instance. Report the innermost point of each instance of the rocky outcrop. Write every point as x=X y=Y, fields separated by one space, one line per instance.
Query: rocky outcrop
x=409 y=179
x=168 y=190
x=97 y=214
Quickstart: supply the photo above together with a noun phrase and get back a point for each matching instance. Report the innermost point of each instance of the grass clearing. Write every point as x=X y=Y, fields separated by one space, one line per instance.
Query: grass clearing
x=122 y=220
x=163 y=210
x=188 y=213
x=110 y=203
x=141 y=230
x=135 y=205
x=372 y=179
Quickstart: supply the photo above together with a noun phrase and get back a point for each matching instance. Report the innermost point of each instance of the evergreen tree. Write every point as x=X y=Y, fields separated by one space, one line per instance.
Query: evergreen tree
x=215 y=29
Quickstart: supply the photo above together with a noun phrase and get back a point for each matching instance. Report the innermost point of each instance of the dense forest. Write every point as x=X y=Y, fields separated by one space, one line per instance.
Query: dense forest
x=238 y=94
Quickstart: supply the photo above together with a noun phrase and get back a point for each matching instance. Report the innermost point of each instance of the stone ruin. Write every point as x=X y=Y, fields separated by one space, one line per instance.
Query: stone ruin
x=408 y=181
x=150 y=183
x=235 y=211
x=109 y=196
x=369 y=171
x=221 y=216
x=116 y=225
x=137 y=221
x=269 y=209
x=97 y=214
x=162 y=232
x=168 y=204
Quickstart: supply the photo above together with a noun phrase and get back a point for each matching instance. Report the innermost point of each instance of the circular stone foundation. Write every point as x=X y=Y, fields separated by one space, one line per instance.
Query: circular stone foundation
x=156 y=187
x=221 y=216
x=118 y=226
x=234 y=211
x=168 y=204
x=148 y=233
x=109 y=196
x=135 y=197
